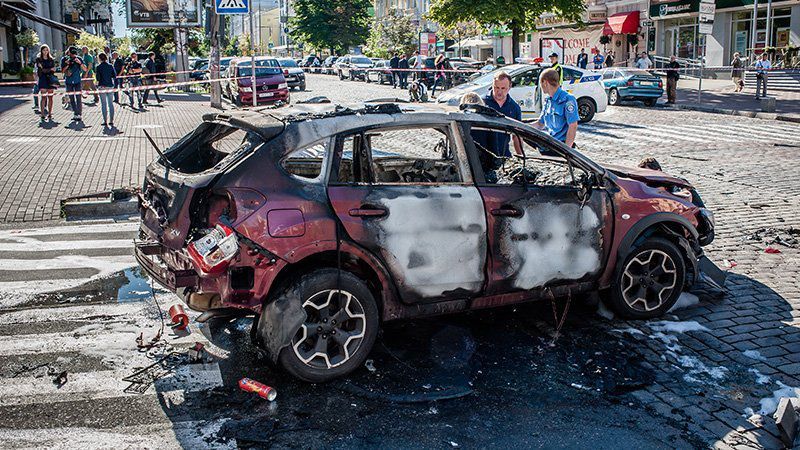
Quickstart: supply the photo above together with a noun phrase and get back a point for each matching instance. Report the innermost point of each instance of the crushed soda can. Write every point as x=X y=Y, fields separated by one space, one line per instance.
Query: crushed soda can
x=263 y=391
x=178 y=317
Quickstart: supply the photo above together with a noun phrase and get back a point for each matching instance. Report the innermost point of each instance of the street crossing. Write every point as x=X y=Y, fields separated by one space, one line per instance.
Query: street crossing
x=84 y=322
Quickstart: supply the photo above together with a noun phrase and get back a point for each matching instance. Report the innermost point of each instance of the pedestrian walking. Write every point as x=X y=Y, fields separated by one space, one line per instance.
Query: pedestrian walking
x=73 y=68
x=441 y=64
x=402 y=65
x=610 y=59
x=106 y=78
x=393 y=63
x=47 y=81
x=556 y=66
x=763 y=67
x=737 y=72
x=560 y=113
x=35 y=92
x=598 y=60
x=417 y=65
x=152 y=79
x=88 y=82
x=118 y=64
x=133 y=70
x=583 y=59
x=673 y=75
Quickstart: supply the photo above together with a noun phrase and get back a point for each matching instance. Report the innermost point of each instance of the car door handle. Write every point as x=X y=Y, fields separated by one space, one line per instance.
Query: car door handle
x=368 y=211
x=507 y=211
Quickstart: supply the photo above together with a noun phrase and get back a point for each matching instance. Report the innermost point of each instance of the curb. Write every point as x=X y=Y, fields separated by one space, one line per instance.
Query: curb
x=115 y=203
x=736 y=112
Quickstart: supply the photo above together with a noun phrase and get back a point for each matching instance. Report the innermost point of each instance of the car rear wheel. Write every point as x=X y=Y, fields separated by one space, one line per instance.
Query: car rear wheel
x=339 y=330
x=303 y=86
x=649 y=280
x=586 y=110
x=613 y=97
x=650 y=102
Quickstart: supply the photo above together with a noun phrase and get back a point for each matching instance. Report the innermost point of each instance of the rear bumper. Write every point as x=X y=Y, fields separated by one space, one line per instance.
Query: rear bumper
x=295 y=80
x=149 y=257
x=640 y=93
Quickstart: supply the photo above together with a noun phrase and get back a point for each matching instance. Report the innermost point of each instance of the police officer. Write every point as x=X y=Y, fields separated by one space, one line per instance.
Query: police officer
x=560 y=113
x=556 y=66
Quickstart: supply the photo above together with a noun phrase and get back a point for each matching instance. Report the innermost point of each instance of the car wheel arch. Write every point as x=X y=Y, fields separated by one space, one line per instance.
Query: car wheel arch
x=592 y=102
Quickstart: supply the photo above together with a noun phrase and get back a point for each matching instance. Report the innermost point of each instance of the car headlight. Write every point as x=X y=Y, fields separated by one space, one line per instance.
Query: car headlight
x=681 y=192
x=709 y=216
x=283 y=86
x=247 y=89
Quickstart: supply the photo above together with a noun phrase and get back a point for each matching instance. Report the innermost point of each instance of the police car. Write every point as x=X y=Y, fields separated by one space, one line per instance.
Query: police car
x=586 y=86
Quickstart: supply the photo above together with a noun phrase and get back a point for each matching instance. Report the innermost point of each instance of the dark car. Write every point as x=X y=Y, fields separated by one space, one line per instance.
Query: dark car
x=311 y=63
x=270 y=82
x=323 y=222
x=200 y=72
x=294 y=75
x=632 y=84
x=381 y=72
x=327 y=65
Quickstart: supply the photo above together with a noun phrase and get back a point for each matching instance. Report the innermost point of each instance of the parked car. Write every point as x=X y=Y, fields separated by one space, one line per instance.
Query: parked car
x=311 y=63
x=294 y=75
x=353 y=67
x=428 y=62
x=624 y=83
x=200 y=71
x=381 y=72
x=323 y=222
x=327 y=65
x=585 y=85
x=270 y=82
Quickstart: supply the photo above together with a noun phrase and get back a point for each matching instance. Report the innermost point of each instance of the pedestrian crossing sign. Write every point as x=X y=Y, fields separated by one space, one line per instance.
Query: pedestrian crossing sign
x=232 y=6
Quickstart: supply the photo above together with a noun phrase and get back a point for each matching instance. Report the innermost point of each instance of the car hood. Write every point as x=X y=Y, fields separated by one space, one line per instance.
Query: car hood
x=647 y=176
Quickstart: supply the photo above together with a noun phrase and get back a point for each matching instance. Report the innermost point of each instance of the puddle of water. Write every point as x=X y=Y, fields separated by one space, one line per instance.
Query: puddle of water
x=129 y=285
x=137 y=286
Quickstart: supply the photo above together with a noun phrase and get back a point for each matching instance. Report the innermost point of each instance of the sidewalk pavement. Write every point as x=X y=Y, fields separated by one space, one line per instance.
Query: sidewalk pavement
x=718 y=96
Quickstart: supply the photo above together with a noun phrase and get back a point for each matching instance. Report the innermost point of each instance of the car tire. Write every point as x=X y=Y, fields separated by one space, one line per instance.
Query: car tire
x=303 y=86
x=341 y=77
x=302 y=357
x=650 y=102
x=586 y=110
x=238 y=101
x=613 y=97
x=649 y=280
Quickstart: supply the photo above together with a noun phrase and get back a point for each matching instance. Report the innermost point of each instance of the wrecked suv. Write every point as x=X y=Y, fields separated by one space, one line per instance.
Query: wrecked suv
x=325 y=221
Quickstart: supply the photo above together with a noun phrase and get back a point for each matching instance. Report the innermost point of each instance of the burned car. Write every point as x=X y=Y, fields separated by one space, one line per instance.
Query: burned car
x=325 y=221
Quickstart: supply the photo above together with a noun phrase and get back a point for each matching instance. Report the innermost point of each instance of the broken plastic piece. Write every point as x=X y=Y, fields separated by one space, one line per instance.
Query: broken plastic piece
x=263 y=391
x=729 y=263
x=212 y=252
x=772 y=250
x=179 y=318
x=61 y=379
x=370 y=365
x=197 y=353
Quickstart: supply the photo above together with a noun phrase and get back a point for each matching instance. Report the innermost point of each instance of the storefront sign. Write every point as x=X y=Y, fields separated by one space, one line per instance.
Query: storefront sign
x=740 y=42
x=427 y=44
x=598 y=16
x=664 y=8
x=163 y=13
x=569 y=42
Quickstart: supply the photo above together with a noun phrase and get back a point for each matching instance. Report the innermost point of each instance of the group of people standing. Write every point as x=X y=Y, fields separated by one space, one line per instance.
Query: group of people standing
x=102 y=76
x=598 y=60
x=401 y=65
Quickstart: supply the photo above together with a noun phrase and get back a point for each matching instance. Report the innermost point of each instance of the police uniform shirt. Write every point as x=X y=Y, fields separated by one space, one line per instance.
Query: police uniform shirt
x=559 y=112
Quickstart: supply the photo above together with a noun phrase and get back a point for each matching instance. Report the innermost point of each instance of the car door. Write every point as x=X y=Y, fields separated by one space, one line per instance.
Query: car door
x=548 y=228
x=524 y=88
x=404 y=192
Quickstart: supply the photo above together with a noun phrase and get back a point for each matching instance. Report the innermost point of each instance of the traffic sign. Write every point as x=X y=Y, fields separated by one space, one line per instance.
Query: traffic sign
x=232 y=6
x=705 y=28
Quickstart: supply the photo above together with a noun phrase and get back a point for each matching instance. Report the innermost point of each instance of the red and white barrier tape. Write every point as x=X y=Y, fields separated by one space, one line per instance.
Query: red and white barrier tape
x=143 y=75
x=142 y=87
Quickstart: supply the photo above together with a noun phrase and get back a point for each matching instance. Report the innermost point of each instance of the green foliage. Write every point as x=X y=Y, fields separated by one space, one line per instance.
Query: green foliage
x=26 y=70
x=198 y=44
x=91 y=41
x=152 y=39
x=122 y=46
x=395 y=33
x=243 y=45
x=27 y=38
x=334 y=24
x=461 y=30
x=232 y=49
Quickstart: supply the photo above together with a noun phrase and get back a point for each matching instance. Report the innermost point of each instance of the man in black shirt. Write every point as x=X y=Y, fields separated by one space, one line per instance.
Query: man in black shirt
x=150 y=65
x=403 y=73
x=673 y=75
x=118 y=64
x=393 y=64
x=133 y=68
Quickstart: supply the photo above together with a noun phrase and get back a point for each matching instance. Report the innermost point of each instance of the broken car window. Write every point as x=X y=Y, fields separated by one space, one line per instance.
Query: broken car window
x=211 y=145
x=306 y=162
x=413 y=155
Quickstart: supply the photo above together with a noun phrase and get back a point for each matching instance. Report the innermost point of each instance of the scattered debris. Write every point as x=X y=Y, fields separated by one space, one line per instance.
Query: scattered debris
x=650 y=163
x=146 y=346
x=454 y=444
x=678 y=327
x=754 y=354
x=263 y=391
x=787 y=237
x=370 y=365
x=770 y=404
x=143 y=378
x=760 y=377
x=786 y=420
x=729 y=263
x=693 y=158
x=684 y=301
x=580 y=386
x=178 y=317
x=61 y=379
x=197 y=353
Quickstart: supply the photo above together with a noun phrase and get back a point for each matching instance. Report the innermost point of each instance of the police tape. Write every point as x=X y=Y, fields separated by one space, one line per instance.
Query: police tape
x=142 y=75
x=473 y=71
x=142 y=87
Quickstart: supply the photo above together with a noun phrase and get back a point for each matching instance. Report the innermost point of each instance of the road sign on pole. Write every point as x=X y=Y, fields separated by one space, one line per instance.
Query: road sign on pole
x=232 y=6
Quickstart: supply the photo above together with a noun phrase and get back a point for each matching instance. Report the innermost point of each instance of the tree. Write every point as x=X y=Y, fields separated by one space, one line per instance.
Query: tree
x=152 y=39
x=91 y=41
x=517 y=15
x=460 y=31
x=395 y=33
x=122 y=46
x=243 y=46
x=333 y=24
x=27 y=39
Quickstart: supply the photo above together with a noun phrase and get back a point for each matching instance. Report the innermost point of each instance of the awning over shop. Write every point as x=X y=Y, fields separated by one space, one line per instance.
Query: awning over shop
x=43 y=20
x=622 y=23
x=471 y=42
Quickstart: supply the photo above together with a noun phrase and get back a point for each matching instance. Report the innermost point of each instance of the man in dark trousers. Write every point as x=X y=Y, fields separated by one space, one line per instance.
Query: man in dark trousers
x=393 y=64
x=673 y=75
x=118 y=64
x=403 y=72
x=583 y=59
x=150 y=65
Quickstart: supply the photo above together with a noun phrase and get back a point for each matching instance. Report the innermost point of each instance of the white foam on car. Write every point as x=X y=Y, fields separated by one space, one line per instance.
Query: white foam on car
x=684 y=301
x=553 y=254
x=436 y=243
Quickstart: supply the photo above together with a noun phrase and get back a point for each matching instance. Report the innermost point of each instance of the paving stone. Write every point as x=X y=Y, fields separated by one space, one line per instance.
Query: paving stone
x=736 y=337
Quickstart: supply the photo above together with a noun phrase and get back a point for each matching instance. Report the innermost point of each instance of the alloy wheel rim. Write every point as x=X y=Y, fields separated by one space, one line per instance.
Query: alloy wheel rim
x=334 y=329
x=613 y=96
x=583 y=111
x=648 y=280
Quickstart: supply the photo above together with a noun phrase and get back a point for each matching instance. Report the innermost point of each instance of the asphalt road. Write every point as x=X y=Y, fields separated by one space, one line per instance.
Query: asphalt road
x=70 y=302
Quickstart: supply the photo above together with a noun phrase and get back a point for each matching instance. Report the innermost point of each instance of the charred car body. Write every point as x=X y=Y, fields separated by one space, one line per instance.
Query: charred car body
x=325 y=221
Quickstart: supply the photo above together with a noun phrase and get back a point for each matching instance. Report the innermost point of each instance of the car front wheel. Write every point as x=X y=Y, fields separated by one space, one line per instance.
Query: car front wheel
x=613 y=97
x=649 y=280
x=339 y=330
x=586 y=109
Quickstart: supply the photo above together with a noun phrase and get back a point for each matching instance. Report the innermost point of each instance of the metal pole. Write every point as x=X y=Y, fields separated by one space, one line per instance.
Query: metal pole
x=252 y=59
x=702 y=65
x=753 y=28
x=213 y=64
x=768 y=41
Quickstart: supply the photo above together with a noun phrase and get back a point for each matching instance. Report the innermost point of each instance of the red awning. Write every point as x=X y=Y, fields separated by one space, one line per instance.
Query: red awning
x=622 y=23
